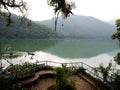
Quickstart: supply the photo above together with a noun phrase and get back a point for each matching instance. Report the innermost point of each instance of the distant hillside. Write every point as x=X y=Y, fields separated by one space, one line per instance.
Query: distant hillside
x=17 y=30
x=82 y=27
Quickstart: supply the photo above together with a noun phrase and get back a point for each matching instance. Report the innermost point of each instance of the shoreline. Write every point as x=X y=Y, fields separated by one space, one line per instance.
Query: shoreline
x=44 y=56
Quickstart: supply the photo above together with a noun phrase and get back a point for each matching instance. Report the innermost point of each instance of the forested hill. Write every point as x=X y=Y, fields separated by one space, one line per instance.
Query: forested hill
x=77 y=26
x=18 y=30
x=73 y=27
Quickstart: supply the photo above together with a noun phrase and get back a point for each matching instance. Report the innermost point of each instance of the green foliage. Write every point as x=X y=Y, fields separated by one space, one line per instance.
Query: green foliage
x=81 y=70
x=64 y=81
x=118 y=24
x=61 y=6
x=105 y=70
x=117 y=34
x=117 y=58
x=5 y=5
x=116 y=83
x=19 y=31
x=25 y=70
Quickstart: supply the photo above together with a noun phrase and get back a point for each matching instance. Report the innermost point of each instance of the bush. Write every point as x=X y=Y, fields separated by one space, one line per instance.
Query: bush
x=81 y=70
x=117 y=58
x=64 y=81
x=116 y=82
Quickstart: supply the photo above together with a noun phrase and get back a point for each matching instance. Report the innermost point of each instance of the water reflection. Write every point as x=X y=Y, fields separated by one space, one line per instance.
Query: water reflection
x=29 y=45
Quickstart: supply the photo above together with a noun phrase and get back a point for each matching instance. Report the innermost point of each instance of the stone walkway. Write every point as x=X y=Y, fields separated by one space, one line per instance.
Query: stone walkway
x=82 y=82
x=36 y=77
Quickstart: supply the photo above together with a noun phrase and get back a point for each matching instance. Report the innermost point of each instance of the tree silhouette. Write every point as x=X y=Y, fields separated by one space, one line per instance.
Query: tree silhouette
x=5 y=6
x=117 y=36
x=61 y=6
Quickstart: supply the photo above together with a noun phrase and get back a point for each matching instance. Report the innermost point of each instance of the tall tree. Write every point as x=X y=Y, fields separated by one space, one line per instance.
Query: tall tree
x=117 y=36
x=5 y=6
x=61 y=6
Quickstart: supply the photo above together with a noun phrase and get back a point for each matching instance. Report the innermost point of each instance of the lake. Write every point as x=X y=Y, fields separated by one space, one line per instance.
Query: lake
x=66 y=49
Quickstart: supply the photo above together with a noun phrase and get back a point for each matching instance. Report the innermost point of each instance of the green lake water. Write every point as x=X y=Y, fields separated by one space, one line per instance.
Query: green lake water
x=65 y=48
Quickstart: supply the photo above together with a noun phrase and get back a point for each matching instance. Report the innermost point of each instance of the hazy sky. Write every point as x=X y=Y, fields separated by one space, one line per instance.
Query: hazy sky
x=101 y=9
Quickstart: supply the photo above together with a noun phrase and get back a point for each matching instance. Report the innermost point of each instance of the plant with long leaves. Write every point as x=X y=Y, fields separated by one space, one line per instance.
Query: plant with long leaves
x=64 y=79
x=105 y=70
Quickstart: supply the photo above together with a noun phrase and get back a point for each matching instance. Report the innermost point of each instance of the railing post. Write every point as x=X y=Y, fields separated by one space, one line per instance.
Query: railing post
x=46 y=63
x=96 y=72
x=81 y=64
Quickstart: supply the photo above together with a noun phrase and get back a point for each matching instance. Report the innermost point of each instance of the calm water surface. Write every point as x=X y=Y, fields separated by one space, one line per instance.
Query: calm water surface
x=68 y=48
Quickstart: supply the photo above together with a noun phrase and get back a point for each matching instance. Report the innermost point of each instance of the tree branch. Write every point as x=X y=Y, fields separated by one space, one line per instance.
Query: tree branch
x=6 y=4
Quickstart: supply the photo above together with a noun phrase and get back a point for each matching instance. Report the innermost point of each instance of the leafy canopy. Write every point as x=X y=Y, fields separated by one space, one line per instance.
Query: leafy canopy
x=5 y=6
x=117 y=34
x=61 y=6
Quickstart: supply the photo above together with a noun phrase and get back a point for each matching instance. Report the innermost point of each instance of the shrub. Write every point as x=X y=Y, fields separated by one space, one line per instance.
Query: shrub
x=64 y=81
x=105 y=71
x=117 y=58
x=81 y=70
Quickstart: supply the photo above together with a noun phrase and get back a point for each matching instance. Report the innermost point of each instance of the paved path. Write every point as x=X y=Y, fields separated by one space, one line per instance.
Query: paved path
x=82 y=82
x=36 y=77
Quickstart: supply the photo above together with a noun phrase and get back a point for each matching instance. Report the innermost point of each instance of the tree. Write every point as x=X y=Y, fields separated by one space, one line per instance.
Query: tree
x=5 y=6
x=105 y=71
x=117 y=58
x=117 y=36
x=61 y=6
